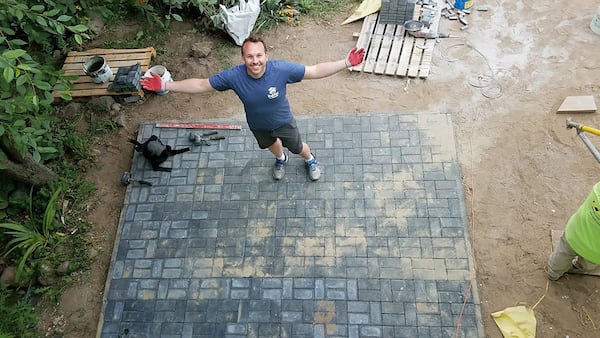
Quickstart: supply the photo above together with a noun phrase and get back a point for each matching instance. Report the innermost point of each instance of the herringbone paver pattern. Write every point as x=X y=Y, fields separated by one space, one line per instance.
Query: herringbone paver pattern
x=378 y=247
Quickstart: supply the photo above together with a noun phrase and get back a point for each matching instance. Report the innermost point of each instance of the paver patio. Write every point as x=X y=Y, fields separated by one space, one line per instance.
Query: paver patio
x=378 y=247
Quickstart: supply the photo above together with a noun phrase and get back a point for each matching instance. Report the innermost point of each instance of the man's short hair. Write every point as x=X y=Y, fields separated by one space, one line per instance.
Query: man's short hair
x=253 y=39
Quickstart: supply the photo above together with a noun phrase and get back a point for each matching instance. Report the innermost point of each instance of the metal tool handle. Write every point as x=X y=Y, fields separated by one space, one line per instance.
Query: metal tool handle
x=145 y=183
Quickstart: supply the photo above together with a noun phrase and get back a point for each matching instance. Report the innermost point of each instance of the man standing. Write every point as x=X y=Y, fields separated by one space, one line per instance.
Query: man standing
x=578 y=250
x=261 y=86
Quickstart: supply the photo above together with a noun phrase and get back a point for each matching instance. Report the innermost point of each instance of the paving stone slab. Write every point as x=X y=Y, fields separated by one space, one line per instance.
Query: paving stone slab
x=378 y=247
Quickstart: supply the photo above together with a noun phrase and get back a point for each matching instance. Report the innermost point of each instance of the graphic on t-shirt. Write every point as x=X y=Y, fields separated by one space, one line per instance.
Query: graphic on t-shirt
x=595 y=207
x=273 y=93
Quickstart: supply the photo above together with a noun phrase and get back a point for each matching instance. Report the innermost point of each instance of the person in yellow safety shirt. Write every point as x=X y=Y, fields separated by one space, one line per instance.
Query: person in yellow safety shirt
x=578 y=250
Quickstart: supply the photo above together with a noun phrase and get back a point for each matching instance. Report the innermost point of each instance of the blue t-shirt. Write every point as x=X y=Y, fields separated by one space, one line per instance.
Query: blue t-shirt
x=265 y=100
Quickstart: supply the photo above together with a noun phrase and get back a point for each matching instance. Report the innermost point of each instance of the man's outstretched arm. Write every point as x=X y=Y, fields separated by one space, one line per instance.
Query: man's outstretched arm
x=192 y=86
x=321 y=70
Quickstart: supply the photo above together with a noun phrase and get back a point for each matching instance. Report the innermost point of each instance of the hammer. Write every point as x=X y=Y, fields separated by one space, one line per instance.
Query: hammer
x=203 y=139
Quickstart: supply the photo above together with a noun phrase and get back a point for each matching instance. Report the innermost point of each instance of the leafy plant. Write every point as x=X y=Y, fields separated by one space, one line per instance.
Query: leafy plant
x=43 y=26
x=25 y=100
x=28 y=28
x=18 y=317
x=209 y=8
x=30 y=240
x=12 y=197
x=269 y=14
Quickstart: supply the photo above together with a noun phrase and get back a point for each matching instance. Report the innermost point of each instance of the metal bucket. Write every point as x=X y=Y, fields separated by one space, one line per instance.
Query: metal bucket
x=97 y=69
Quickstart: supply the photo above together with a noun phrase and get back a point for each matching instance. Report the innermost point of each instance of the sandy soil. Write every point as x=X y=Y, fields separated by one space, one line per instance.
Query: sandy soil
x=524 y=173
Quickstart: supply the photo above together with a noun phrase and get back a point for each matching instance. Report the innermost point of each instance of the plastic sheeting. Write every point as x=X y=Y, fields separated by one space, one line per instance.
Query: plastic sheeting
x=516 y=322
x=238 y=21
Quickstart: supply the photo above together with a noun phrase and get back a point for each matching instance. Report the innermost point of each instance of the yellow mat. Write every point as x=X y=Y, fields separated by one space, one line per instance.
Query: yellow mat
x=367 y=7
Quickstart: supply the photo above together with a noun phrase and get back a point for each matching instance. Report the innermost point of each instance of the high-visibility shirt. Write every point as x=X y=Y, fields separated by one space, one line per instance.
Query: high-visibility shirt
x=583 y=229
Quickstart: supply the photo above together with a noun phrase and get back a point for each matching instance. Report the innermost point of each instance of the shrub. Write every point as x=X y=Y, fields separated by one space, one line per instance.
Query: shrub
x=18 y=317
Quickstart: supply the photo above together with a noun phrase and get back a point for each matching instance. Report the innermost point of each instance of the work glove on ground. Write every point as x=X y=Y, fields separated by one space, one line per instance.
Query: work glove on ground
x=154 y=83
x=355 y=57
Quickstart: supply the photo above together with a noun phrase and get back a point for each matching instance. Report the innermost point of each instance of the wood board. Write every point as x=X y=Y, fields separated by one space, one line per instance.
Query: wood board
x=577 y=104
x=198 y=125
x=555 y=235
x=115 y=58
x=391 y=50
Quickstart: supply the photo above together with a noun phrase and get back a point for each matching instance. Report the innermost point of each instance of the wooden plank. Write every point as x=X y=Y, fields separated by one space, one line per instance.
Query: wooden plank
x=577 y=104
x=97 y=92
x=198 y=125
x=386 y=46
x=392 y=64
x=365 y=37
x=417 y=50
x=77 y=68
x=430 y=43
x=373 y=52
x=90 y=85
x=102 y=51
x=416 y=56
x=407 y=48
x=426 y=60
x=109 y=58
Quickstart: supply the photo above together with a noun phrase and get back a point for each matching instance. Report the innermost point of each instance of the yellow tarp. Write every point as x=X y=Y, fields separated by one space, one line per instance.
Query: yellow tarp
x=367 y=7
x=516 y=322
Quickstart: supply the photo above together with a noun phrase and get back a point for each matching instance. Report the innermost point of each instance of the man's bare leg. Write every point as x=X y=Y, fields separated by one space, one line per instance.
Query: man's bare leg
x=280 y=159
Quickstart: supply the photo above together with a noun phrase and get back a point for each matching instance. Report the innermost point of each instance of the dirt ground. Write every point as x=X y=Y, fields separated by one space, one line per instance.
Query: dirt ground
x=524 y=172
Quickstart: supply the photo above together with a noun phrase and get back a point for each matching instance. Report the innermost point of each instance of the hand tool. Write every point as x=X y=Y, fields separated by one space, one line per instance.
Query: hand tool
x=203 y=139
x=418 y=30
x=126 y=178
x=580 y=132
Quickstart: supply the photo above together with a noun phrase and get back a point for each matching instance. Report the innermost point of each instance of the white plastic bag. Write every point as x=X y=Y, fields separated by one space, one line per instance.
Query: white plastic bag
x=238 y=21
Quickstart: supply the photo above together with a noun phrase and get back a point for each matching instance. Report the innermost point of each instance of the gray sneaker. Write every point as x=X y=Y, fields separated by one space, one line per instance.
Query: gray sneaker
x=279 y=168
x=312 y=167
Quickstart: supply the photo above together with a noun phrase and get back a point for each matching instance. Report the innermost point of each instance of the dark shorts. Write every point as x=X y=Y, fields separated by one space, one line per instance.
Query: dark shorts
x=288 y=134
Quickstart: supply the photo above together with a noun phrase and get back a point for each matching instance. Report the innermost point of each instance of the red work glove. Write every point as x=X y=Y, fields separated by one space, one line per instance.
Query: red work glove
x=154 y=83
x=355 y=57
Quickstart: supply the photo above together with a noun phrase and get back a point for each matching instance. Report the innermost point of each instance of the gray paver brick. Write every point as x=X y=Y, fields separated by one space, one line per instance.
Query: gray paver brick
x=377 y=247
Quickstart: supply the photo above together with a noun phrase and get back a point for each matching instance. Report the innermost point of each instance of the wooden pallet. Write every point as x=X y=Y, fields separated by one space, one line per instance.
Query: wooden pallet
x=390 y=50
x=115 y=58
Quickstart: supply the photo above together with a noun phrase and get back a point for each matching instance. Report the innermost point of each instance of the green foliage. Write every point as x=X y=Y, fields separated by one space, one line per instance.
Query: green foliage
x=76 y=146
x=14 y=198
x=25 y=84
x=269 y=14
x=18 y=317
x=32 y=238
x=47 y=26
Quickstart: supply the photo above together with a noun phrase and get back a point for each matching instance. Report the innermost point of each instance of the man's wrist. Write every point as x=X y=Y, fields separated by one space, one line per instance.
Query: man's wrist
x=347 y=63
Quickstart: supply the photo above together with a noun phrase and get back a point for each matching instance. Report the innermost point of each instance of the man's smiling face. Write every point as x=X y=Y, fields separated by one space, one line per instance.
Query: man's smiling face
x=255 y=58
